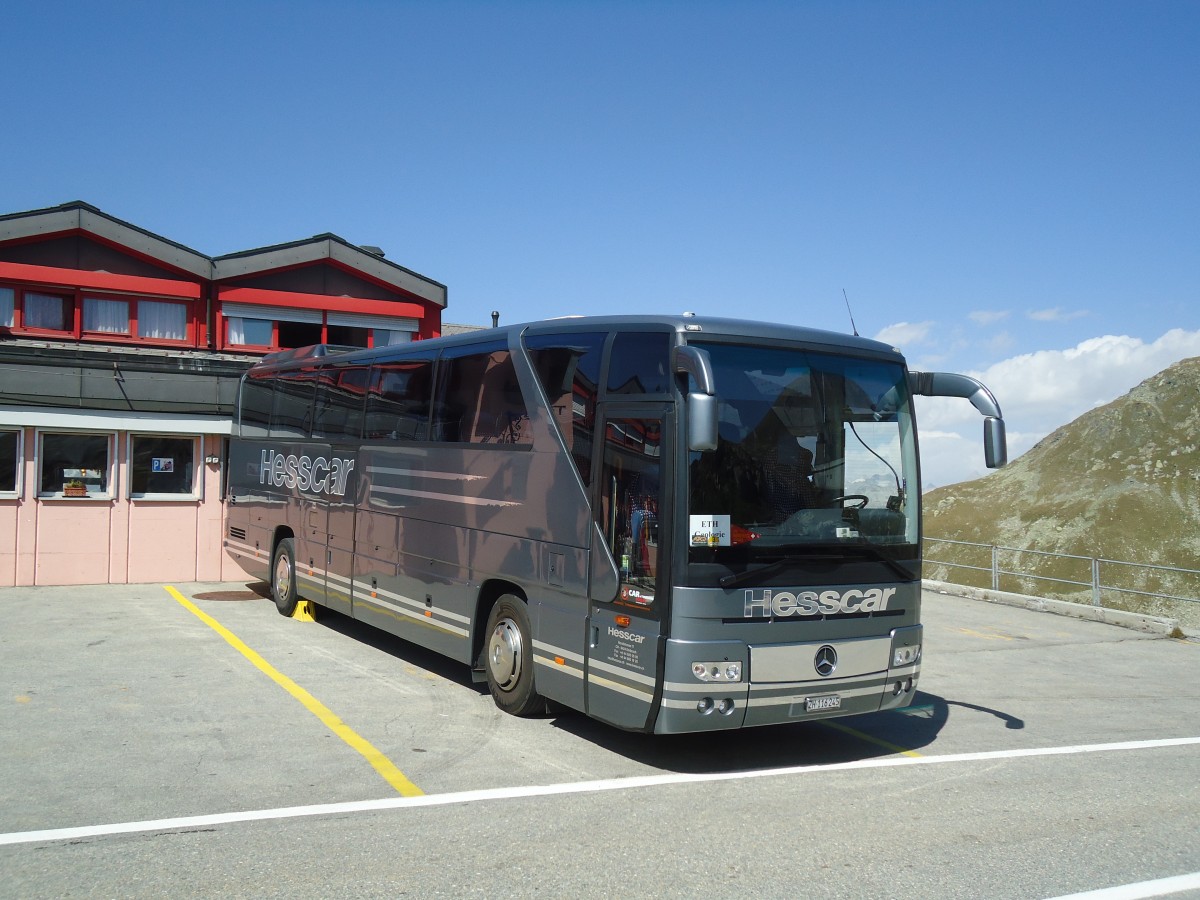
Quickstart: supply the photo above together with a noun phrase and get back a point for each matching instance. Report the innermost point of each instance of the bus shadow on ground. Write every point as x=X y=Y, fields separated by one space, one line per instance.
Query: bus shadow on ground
x=817 y=742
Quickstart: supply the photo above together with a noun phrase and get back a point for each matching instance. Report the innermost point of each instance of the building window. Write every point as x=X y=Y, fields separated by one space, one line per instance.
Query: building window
x=8 y=304
x=298 y=334
x=48 y=312
x=346 y=336
x=251 y=332
x=387 y=337
x=72 y=460
x=10 y=461
x=162 y=467
x=162 y=321
x=105 y=316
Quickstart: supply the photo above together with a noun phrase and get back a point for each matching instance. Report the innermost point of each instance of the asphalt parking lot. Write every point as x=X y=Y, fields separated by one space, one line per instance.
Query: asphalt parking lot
x=187 y=740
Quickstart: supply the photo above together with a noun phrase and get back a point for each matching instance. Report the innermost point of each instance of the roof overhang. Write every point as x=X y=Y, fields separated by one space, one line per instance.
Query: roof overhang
x=329 y=248
x=79 y=217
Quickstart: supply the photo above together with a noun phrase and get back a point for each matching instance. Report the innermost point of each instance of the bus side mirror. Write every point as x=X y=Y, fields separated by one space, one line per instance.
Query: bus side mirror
x=702 y=422
x=995 y=444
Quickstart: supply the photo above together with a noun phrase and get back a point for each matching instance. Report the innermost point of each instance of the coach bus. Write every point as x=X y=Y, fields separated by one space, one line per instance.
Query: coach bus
x=671 y=524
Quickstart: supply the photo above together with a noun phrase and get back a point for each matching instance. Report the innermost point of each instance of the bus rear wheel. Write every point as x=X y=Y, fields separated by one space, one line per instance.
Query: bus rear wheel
x=508 y=658
x=283 y=577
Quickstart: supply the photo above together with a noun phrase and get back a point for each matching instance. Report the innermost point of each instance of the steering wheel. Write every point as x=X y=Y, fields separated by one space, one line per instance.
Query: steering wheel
x=860 y=500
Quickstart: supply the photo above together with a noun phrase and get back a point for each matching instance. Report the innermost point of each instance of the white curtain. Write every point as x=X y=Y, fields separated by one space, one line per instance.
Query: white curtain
x=107 y=316
x=162 y=320
x=45 y=311
x=7 y=302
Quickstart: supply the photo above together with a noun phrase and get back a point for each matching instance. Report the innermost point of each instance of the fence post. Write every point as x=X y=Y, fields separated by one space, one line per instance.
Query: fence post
x=1095 y=582
x=995 y=568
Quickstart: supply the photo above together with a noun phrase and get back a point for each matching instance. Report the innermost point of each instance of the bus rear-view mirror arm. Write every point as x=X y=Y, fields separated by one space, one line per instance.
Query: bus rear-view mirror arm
x=948 y=384
x=702 y=403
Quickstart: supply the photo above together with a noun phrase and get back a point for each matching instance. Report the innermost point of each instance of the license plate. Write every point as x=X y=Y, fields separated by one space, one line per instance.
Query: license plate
x=816 y=704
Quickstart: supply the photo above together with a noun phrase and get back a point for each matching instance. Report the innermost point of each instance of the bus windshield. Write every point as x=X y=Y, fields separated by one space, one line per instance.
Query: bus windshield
x=815 y=456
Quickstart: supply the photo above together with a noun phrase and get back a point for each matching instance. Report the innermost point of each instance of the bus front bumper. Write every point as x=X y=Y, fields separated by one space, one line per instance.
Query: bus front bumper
x=865 y=678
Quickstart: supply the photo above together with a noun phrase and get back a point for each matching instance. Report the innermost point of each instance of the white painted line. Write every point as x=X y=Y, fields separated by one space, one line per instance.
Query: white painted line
x=1160 y=887
x=186 y=823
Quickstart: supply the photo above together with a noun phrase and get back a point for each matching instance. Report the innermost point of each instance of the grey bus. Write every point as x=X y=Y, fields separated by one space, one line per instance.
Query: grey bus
x=671 y=524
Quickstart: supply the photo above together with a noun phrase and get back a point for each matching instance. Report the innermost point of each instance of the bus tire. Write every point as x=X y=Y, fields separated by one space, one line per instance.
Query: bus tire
x=508 y=658
x=283 y=577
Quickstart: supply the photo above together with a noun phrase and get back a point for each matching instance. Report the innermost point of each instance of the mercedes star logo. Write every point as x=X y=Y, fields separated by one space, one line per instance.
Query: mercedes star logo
x=825 y=661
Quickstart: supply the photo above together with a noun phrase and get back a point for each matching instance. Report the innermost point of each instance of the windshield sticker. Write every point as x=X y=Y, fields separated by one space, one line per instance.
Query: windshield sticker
x=709 y=531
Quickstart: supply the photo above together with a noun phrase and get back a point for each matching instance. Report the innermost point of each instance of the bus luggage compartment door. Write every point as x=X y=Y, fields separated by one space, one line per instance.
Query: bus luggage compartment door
x=622 y=663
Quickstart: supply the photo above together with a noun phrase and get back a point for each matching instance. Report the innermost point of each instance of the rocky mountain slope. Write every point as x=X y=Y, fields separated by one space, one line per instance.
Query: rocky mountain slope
x=1121 y=482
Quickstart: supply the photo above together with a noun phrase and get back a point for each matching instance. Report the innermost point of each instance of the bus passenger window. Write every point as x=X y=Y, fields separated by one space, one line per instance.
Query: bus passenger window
x=339 y=403
x=640 y=363
x=292 y=414
x=481 y=401
x=398 y=401
x=568 y=367
x=258 y=392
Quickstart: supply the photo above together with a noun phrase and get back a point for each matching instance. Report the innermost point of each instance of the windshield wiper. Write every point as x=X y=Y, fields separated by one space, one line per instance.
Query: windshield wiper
x=825 y=551
x=749 y=575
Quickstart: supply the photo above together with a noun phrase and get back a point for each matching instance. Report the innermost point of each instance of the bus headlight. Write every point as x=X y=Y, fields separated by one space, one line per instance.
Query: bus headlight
x=724 y=672
x=905 y=656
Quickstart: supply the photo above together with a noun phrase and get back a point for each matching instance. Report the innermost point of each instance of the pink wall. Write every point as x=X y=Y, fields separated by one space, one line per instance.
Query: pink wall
x=116 y=541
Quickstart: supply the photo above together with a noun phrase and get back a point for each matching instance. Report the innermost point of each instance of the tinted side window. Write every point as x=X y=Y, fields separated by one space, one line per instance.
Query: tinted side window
x=398 y=401
x=291 y=415
x=341 y=392
x=256 y=399
x=480 y=401
x=568 y=366
x=640 y=363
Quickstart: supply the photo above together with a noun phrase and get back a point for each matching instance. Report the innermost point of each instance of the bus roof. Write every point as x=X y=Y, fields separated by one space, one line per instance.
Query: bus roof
x=689 y=327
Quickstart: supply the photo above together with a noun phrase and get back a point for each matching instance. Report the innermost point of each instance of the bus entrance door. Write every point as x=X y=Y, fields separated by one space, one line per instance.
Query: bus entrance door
x=633 y=513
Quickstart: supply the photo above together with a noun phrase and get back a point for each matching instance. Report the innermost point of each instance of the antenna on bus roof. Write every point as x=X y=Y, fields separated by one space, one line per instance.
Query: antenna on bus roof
x=853 y=327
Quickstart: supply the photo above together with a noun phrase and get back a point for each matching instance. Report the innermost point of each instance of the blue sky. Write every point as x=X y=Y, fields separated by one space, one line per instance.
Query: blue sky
x=1009 y=189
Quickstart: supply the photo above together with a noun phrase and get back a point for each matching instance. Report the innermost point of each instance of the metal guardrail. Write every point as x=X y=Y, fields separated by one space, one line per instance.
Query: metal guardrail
x=997 y=570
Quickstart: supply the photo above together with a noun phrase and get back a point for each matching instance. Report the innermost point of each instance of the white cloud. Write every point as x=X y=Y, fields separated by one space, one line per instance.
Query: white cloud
x=1056 y=314
x=987 y=316
x=905 y=334
x=1039 y=392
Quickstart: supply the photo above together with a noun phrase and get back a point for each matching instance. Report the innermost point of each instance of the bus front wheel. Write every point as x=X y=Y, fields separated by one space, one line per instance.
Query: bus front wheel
x=508 y=657
x=283 y=577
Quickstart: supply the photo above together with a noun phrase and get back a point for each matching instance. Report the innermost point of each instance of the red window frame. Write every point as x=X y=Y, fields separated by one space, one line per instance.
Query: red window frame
x=70 y=311
x=73 y=303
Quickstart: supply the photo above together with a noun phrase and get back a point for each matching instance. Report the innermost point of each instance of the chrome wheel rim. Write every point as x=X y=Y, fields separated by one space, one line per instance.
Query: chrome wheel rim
x=504 y=654
x=283 y=577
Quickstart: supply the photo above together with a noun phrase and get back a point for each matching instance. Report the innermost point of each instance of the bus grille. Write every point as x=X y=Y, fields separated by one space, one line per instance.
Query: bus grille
x=238 y=533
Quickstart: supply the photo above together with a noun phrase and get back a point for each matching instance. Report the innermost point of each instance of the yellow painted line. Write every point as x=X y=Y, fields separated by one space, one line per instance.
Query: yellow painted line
x=863 y=736
x=384 y=766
